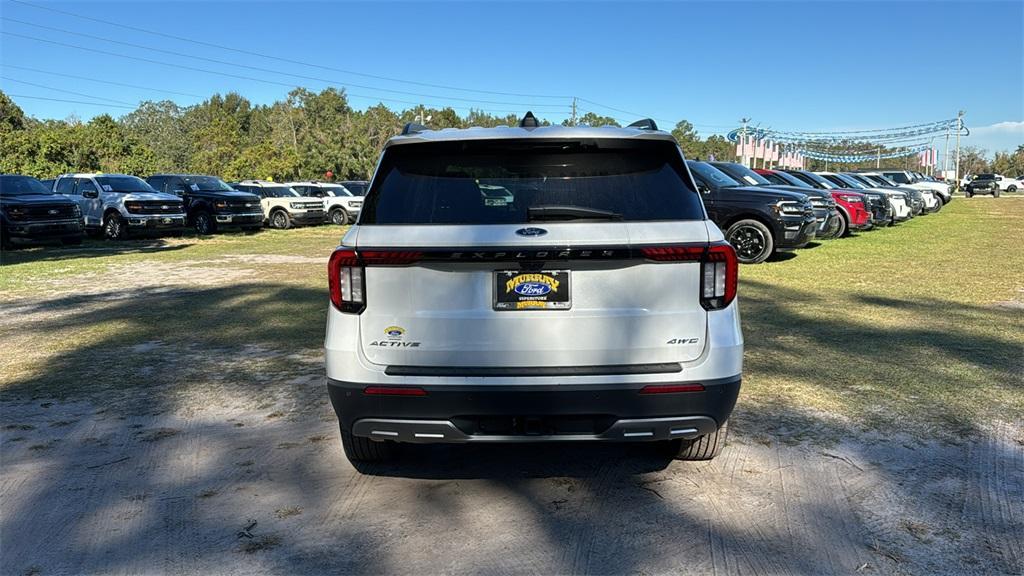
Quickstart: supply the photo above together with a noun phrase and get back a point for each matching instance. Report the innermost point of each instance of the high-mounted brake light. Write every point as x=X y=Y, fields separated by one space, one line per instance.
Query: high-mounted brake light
x=718 y=274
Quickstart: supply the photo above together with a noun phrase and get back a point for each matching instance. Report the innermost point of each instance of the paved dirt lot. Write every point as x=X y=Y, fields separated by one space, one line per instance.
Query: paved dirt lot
x=163 y=411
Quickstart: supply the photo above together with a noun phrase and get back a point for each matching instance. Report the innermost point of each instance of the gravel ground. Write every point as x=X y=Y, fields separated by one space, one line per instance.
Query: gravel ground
x=224 y=482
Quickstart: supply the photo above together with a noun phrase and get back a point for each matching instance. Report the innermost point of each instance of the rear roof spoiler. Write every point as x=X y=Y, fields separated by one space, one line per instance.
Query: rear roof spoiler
x=413 y=128
x=645 y=124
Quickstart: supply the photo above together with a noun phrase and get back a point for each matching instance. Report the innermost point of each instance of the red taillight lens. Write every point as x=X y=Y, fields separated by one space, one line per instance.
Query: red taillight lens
x=674 y=253
x=671 y=388
x=389 y=257
x=393 y=391
x=346 y=281
x=719 y=276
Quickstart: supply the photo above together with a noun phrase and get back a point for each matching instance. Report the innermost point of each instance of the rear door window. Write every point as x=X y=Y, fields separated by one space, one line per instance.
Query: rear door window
x=66 y=186
x=519 y=181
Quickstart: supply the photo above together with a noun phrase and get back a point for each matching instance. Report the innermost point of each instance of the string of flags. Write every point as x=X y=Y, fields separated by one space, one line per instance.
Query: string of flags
x=789 y=156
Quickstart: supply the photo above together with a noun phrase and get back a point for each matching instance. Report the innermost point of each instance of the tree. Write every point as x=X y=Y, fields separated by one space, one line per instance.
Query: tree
x=592 y=120
x=11 y=115
x=688 y=139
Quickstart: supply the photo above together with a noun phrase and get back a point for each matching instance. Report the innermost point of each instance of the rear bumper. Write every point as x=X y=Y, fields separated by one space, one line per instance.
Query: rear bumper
x=515 y=413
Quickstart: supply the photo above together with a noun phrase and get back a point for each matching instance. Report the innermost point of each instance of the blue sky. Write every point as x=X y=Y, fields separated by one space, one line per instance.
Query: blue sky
x=804 y=66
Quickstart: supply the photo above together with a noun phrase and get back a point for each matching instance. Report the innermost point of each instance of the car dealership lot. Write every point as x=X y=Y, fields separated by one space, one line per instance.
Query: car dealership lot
x=166 y=394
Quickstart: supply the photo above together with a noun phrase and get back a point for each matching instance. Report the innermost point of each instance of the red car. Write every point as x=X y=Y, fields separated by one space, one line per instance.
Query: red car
x=852 y=205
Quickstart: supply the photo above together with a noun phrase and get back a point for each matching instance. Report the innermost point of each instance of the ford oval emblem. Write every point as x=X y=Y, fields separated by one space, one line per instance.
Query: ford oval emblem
x=531 y=232
x=532 y=289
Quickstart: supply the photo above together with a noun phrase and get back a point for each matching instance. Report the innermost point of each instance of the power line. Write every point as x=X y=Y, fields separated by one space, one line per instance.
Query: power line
x=68 y=101
x=228 y=74
x=98 y=81
x=281 y=59
x=9 y=79
x=279 y=72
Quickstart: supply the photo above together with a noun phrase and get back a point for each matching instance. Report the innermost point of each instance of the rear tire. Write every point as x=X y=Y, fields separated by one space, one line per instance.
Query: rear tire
x=752 y=240
x=968 y=194
x=1012 y=188
x=705 y=447
x=358 y=449
x=996 y=193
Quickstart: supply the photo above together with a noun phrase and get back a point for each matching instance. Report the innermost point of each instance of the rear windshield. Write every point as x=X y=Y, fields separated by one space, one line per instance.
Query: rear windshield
x=519 y=181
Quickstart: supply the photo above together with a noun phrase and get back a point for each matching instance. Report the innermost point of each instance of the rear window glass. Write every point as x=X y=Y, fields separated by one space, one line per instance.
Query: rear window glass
x=519 y=181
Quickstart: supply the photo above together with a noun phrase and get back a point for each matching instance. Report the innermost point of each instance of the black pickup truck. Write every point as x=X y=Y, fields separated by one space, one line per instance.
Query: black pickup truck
x=210 y=203
x=29 y=211
x=756 y=220
x=983 y=184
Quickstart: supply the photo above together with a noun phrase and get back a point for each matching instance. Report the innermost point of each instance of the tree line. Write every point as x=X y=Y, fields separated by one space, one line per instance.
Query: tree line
x=304 y=136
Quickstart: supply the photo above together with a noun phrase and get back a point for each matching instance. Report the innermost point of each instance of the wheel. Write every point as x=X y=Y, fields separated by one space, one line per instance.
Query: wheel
x=204 y=223
x=280 y=220
x=968 y=194
x=359 y=449
x=339 y=217
x=996 y=192
x=704 y=447
x=844 y=227
x=1011 y=188
x=114 y=227
x=71 y=241
x=752 y=240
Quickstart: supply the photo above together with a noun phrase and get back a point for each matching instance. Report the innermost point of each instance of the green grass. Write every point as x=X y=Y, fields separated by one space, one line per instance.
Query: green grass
x=918 y=328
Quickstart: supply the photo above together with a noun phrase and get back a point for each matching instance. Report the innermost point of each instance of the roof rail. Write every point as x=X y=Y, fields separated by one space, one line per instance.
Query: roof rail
x=645 y=124
x=413 y=128
x=529 y=121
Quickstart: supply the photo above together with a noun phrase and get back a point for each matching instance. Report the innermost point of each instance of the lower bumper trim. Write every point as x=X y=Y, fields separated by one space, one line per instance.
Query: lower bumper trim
x=444 y=431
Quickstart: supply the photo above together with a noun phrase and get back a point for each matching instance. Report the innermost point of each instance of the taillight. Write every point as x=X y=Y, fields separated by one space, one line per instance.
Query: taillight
x=719 y=269
x=346 y=280
x=719 y=276
x=346 y=274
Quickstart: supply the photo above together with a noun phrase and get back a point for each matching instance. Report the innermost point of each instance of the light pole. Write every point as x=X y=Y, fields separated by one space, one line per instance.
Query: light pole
x=959 y=128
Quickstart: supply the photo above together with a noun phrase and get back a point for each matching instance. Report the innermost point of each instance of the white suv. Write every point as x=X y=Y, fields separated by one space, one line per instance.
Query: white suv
x=342 y=205
x=596 y=302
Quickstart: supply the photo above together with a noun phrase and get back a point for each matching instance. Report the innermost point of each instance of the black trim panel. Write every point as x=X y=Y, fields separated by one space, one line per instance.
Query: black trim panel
x=503 y=371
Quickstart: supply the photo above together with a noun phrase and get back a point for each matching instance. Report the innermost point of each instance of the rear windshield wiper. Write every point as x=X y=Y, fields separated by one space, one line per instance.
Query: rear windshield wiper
x=536 y=213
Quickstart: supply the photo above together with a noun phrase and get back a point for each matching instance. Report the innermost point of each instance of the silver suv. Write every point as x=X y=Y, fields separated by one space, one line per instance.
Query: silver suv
x=592 y=299
x=119 y=204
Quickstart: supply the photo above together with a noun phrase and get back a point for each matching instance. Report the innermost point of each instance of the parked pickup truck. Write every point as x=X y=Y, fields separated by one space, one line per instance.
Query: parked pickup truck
x=983 y=184
x=210 y=203
x=119 y=204
x=31 y=212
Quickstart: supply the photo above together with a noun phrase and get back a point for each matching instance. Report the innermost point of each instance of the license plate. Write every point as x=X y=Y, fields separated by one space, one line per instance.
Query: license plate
x=523 y=290
x=167 y=221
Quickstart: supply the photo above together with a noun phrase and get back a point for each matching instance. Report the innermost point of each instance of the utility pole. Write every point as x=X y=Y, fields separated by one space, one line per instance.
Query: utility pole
x=743 y=140
x=959 y=128
x=573 y=123
x=945 y=154
x=878 y=158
